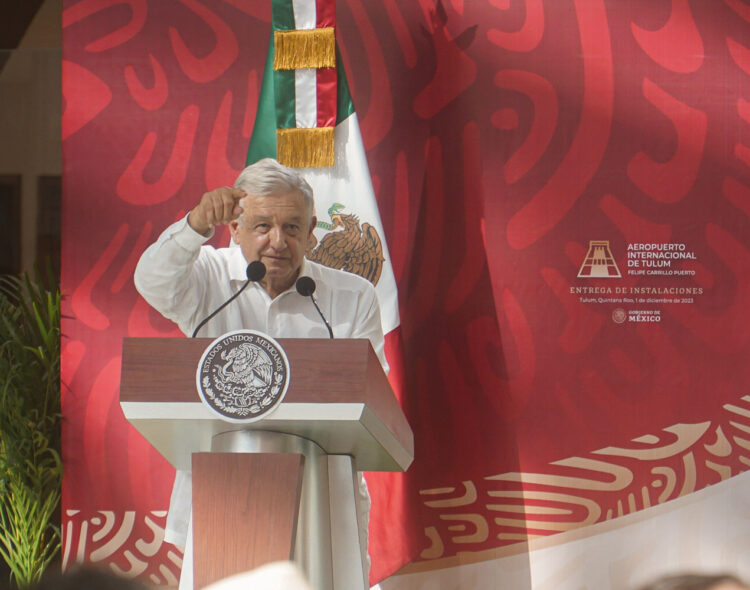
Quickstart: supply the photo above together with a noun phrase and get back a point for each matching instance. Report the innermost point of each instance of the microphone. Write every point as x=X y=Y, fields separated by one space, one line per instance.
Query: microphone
x=256 y=270
x=306 y=287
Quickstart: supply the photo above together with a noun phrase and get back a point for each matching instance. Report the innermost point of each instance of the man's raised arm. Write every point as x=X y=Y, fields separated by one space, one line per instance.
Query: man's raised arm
x=168 y=274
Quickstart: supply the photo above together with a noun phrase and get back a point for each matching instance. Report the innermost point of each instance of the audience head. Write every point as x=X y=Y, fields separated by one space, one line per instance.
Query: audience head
x=87 y=578
x=697 y=582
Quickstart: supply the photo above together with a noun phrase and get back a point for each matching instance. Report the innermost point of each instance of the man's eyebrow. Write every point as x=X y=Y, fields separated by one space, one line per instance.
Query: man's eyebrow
x=294 y=219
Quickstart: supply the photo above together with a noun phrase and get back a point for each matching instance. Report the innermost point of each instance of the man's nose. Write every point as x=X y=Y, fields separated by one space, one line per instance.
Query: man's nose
x=277 y=238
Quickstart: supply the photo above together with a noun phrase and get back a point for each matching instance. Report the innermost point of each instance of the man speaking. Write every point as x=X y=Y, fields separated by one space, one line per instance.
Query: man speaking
x=271 y=218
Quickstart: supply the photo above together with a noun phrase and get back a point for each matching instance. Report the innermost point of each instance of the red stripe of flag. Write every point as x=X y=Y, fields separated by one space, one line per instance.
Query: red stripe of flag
x=326 y=96
x=325 y=13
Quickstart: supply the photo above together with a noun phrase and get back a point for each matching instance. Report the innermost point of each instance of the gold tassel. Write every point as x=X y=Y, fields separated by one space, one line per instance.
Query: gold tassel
x=314 y=48
x=305 y=148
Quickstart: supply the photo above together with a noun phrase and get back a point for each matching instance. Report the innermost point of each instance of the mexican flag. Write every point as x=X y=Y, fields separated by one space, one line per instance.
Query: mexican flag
x=343 y=188
x=306 y=120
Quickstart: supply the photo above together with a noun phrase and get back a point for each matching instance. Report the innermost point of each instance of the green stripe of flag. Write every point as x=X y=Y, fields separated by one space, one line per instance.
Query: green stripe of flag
x=282 y=15
x=344 y=104
x=286 y=117
x=263 y=139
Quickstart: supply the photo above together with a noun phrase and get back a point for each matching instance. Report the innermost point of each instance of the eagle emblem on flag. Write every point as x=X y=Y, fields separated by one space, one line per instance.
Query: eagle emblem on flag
x=348 y=245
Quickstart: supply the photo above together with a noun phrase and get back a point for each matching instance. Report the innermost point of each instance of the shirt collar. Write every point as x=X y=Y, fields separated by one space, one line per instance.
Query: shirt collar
x=305 y=269
x=237 y=265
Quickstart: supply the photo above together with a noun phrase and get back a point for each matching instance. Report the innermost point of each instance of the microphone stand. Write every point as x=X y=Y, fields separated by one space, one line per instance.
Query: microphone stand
x=306 y=287
x=256 y=270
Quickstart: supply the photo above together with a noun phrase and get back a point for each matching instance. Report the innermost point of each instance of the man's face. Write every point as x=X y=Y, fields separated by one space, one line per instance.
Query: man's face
x=275 y=230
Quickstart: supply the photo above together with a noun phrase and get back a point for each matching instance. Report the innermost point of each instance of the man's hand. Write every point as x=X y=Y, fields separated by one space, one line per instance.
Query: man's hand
x=218 y=207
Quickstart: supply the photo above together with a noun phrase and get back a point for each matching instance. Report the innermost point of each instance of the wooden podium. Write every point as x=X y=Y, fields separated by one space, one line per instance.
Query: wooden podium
x=283 y=487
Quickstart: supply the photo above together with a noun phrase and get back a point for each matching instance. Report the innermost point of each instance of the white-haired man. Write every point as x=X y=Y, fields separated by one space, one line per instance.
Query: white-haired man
x=271 y=218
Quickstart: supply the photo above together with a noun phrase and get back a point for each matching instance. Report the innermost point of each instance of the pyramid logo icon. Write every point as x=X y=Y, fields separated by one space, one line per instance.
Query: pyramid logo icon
x=599 y=262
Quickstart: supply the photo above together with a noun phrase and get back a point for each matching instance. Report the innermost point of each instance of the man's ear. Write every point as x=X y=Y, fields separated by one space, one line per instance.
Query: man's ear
x=313 y=224
x=234 y=229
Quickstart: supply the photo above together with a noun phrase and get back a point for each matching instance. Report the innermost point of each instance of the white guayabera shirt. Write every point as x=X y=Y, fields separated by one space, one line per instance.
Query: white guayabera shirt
x=185 y=281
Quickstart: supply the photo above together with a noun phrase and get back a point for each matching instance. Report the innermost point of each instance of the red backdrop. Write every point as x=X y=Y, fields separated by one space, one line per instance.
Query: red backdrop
x=503 y=136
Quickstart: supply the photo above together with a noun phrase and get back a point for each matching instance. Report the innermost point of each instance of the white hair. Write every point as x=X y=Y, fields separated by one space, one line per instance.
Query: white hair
x=268 y=178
